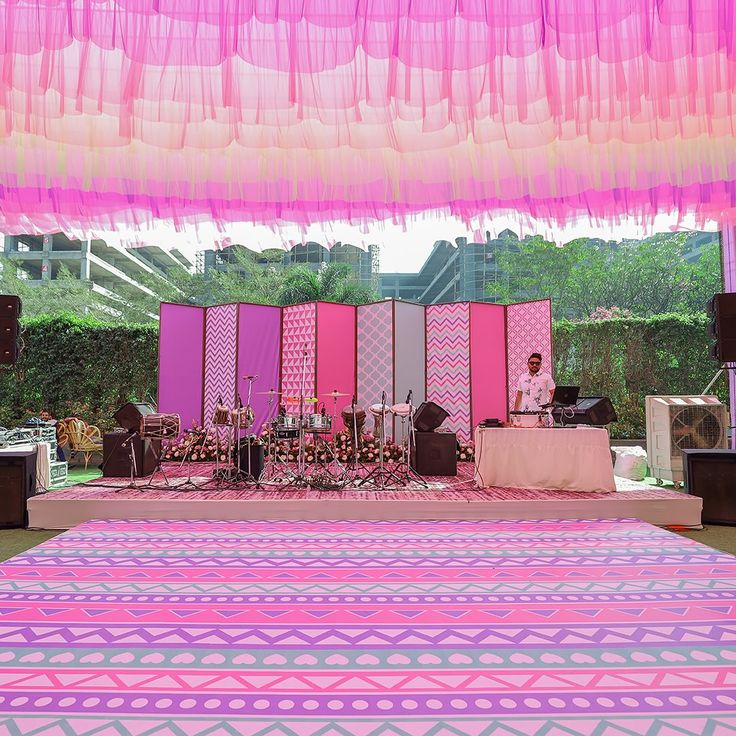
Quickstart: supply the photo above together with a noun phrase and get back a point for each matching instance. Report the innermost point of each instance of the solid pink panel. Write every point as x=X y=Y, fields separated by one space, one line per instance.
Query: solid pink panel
x=336 y=333
x=528 y=330
x=488 y=390
x=180 y=362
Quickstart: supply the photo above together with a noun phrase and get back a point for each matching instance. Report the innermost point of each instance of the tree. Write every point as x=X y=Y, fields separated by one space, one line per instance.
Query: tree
x=646 y=277
x=334 y=283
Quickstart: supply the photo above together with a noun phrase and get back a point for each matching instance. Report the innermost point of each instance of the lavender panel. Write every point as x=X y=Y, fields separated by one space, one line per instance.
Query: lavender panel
x=375 y=355
x=180 y=349
x=259 y=348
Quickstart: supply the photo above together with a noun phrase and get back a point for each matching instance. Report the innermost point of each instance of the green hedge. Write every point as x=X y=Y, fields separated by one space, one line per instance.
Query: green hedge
x=71 y=365
x=628 y=359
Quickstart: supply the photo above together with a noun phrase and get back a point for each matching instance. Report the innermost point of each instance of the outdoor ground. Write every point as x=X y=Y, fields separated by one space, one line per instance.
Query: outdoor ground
x=15 y=541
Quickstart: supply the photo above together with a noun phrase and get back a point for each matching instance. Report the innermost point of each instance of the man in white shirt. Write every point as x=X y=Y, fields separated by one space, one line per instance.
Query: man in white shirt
x=535 y=386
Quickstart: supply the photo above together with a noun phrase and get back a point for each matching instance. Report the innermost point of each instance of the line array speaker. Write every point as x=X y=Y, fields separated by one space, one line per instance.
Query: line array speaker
x=10 y=311
x=722 y=311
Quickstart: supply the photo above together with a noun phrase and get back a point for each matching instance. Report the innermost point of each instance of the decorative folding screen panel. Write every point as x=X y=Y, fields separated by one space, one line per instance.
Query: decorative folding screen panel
x=259 y=352
x=448 y=363
x=298 y=351
x=488 y=378
x=528 y=330
x=180 y=362
x=391 y=354
x=220 y=357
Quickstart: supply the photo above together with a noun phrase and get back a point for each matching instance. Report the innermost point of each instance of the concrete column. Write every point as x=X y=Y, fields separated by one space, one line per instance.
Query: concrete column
x=728 y=249
x=48 y=242
x=84 y=264
x=8 y=244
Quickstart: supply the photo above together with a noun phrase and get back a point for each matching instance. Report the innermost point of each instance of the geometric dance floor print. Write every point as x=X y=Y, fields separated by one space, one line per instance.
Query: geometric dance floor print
x=422 y=628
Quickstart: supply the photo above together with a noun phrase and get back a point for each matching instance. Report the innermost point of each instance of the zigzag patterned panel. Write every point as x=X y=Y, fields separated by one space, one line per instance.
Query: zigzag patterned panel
x=220 y=357
x=528 y=330
x=299 y=330
x=375 y=354
x=448 y=363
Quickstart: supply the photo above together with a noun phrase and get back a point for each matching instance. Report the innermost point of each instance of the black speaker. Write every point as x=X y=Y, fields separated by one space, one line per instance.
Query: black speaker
x=116 y=455
x=429 y=416
x=722 y=311
x=711 y=475
x=10 y=311
x=128 y=416
x=17 y=485
x=257 y=459
x=435 y=453
x=597 y=410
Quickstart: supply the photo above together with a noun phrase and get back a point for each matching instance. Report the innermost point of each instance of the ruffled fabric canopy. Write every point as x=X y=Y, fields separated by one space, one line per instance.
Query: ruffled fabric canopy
x=118 y=113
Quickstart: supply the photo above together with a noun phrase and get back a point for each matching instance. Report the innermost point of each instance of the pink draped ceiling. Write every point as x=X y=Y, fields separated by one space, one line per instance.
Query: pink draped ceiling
x=117 y=113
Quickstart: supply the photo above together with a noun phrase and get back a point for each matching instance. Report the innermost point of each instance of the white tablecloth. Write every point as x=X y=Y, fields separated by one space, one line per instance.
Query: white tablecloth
x=557 y=459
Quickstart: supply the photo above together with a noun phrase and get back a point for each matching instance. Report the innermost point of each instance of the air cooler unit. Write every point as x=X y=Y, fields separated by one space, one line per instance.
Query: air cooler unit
x=677 y=423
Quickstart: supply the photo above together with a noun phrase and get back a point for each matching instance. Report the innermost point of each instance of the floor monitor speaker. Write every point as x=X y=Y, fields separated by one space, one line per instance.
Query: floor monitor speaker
x=429 y=416
x=595 y=410
x=435 y=453
x=128 y=416
x=116 y=459
x=711 y=475
x=17 y=485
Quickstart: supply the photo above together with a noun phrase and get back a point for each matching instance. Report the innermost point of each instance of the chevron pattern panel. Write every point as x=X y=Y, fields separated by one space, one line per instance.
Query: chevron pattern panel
x=299 y=329
x=375 y=353
x=528 y=330
x=220 y=357
x=448 y=363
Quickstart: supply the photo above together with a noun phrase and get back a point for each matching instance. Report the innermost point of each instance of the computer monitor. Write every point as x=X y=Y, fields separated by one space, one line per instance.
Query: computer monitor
x=565 y=395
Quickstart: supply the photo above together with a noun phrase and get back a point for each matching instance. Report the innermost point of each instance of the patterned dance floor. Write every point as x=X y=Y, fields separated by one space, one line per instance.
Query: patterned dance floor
x=368 y=629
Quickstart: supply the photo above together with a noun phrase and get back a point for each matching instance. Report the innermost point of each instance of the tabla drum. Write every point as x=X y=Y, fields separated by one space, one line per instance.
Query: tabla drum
x=243 y=417
x=379 y=412
x=160 y=426
x=221 y=416
x=318 y=423
x=528 y=419
x=401 y=410
x=351 y=418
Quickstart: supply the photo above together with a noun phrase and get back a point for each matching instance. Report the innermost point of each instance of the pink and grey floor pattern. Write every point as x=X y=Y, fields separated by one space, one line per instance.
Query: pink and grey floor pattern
x=443 y=628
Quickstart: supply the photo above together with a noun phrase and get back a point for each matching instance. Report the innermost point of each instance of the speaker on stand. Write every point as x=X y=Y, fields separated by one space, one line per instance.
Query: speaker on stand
x=10 y=312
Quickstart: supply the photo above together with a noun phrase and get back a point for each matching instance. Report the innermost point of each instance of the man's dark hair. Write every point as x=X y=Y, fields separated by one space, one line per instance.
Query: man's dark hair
x=535 y=355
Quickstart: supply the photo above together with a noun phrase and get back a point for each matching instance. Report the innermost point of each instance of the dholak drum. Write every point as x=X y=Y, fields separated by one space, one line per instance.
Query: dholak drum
x=160 y=426
x=243 y=417
x=358 y=419
x=221 y=416
x=318 y=423
x=528 y=419
x=285 y=426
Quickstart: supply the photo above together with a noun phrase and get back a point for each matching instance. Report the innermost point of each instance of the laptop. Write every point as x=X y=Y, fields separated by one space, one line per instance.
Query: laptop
x=565 y=395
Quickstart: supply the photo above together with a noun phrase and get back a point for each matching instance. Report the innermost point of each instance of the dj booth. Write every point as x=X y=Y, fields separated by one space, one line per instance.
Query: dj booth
x=567 y=459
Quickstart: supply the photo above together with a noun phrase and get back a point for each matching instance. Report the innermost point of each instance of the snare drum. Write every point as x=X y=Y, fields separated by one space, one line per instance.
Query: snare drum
x=160 y=426
x=528 y=419
x=221 y=416
x=285 y=426
x=318 y=423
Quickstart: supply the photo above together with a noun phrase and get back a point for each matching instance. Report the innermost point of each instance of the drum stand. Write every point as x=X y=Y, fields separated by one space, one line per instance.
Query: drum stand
x=332 y=480
x=381 y=476
x=240 y=476
x=407 y=473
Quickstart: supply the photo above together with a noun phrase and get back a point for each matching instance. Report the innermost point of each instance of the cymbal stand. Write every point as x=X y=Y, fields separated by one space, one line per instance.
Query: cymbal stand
x=381 y=476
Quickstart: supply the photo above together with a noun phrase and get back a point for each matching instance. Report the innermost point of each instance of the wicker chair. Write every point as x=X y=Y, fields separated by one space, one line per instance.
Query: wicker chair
x=81 y=438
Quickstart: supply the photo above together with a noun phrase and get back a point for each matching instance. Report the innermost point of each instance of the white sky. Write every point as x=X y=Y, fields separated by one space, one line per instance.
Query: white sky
x=403 y=247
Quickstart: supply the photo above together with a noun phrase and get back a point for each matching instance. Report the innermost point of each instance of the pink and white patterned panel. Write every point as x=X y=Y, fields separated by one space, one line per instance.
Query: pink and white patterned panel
x=220 y=357
x=375 y=353
x=528 y=330
x=298 y=332
x=448 y=363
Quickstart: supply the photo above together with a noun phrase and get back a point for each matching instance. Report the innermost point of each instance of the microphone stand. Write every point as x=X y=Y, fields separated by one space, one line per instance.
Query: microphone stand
x=411 y=475
x=133 y=464
x=380 y=474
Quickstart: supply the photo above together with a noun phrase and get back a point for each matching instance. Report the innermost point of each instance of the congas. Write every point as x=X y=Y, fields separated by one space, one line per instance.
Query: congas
x=401 y=410
x=221 y=415
x=318 y=423
x=160 y=426
x=285 y=426
x=528 y=419
x=354 y=419
x=379 y=412
x=243 y=417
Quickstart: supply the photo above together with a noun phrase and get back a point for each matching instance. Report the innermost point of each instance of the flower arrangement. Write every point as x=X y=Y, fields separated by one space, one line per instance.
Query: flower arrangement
x=198 y=445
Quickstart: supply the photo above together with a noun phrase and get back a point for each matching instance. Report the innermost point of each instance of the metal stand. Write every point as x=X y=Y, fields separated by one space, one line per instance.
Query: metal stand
x=247 y=476
x=723 y=367
x=408 y=474
x=133 y=464
x=381 y=475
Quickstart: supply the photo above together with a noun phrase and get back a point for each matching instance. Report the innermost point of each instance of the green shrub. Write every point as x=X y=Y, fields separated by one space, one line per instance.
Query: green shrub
x=628 y=359
x=79 y=365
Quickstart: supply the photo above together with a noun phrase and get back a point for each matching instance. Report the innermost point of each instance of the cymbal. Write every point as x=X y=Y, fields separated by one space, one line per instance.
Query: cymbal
x=270 y=392
x=335 y=394
x=305 y=399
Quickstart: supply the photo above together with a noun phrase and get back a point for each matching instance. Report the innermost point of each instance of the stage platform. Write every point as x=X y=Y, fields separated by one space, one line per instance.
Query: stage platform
x=444 y=498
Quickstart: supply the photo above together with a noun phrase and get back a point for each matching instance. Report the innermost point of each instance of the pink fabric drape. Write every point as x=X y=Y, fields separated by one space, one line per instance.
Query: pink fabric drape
x=120 y=112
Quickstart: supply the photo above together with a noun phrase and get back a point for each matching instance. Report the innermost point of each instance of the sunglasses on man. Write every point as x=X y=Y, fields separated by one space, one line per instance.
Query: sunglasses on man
x=535 y=362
